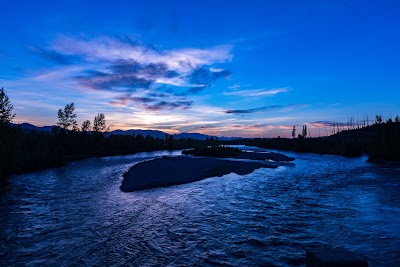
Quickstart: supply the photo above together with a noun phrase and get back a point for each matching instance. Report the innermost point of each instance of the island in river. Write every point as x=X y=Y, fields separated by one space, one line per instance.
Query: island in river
x=169 y=171
x=235 y=153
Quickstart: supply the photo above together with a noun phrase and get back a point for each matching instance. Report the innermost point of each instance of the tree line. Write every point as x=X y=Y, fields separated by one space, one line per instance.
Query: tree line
x=351 y=124
x=67 y=121
x=380 y=141
x=24 y=150
x=303 y=134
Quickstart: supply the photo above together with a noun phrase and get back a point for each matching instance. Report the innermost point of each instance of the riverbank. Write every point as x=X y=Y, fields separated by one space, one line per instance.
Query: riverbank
x=24 y=151
x=379 y=141
x=5 y=180
x=235 y=153
x=264 y=156
x=169 y=171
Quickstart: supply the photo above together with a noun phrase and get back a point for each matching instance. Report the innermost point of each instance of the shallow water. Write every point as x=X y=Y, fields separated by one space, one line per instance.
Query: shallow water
x=76 y=215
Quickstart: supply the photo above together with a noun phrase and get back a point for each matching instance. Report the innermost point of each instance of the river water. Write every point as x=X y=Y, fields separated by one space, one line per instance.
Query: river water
x=77 y=216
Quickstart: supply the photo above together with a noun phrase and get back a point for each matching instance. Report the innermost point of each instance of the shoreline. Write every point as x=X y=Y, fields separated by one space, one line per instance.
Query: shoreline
x=264 y=156
x=168 y=171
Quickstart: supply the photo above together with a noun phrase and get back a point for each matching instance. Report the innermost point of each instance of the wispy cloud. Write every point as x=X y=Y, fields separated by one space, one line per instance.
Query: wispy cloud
x=212 y=69
x=144 y=61
x=327 y=124
x=111 y=49
x=265 y=108
x=139 y=85
x=169 y=105
x=248 y=130
x=256 y=92
x=53 y=56
x=253 y=110
x=149 y=100
x=125 y=65
x=234 y=87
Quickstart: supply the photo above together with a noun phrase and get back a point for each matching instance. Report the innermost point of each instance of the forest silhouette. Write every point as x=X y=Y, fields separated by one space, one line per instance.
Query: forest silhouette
x=23 y=150
x=380 y=141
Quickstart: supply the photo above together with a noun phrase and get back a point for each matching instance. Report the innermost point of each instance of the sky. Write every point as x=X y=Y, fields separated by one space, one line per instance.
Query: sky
x=225 y=68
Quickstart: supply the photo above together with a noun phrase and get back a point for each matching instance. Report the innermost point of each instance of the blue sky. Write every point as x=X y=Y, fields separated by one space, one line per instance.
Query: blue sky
x=232 y=68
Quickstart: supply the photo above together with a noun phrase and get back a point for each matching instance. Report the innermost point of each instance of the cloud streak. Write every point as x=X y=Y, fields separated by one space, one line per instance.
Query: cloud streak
x=328 y=124
x=253 y=110
x=152 y=101
x=260 y=109
x=170 y=105
x=256 y=92
x=125 y=65
x=110 y=49
x=142 y=86
x=130 y=58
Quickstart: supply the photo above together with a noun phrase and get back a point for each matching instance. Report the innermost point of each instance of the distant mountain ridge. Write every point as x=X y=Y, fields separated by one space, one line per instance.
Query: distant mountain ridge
x=28 y=126
x=152 y=133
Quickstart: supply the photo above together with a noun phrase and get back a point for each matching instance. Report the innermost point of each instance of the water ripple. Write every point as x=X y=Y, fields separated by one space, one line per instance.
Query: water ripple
x=76 y=215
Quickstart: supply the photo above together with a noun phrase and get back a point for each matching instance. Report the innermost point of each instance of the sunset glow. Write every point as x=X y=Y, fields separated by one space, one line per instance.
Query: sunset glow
x=214 y=67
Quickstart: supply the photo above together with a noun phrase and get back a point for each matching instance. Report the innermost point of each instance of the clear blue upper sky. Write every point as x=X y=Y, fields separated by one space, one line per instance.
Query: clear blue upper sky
x=234 y=68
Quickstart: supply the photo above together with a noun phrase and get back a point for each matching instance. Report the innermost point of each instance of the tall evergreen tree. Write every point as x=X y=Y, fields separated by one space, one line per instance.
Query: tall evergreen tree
x=67 y=117
x=6 y=108
x=99 y=123
x=304 y=133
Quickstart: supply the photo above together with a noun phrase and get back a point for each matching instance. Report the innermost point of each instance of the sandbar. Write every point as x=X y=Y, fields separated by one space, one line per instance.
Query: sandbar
x=169 y=171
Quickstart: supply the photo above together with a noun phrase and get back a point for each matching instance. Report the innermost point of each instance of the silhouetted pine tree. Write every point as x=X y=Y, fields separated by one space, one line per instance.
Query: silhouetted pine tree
x=67 y=117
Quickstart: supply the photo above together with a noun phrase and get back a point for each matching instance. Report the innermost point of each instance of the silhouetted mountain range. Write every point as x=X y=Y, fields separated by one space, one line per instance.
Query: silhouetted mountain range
x=28 y=126
x=152 y=133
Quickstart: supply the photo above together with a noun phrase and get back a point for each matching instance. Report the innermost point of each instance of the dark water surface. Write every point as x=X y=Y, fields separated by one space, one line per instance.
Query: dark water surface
x=76 y=215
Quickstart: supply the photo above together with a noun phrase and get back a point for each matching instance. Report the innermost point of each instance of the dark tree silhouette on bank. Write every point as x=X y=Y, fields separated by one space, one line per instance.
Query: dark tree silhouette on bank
x=6 y=115
x=86 y=127
x=294 y=132
x=8 y=134
x=378 y=119
x=99 y=123
x=66 y=117
x=23 y=150
x=304 y=133
x=380 y=141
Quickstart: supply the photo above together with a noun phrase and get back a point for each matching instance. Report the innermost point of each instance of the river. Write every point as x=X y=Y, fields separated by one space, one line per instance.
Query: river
x=77 y=216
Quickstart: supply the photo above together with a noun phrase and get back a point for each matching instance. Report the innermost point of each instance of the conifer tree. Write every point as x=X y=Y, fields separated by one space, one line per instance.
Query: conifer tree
x=99 y=124
x=6 y=115
x=66 y=117
x=86 y=127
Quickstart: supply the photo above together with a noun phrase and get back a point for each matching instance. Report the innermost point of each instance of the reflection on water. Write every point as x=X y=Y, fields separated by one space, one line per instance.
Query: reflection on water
x=76 y=215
